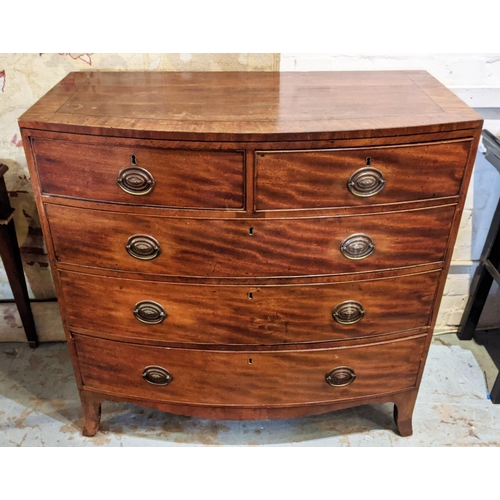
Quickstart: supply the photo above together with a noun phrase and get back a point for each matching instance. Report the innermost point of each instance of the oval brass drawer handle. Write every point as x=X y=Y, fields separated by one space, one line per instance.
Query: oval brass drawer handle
x=357 y=246
x=143 y=247
x=157 y=375
x=149 y=312
x=340 y=377
x=365 y=182
x=348 y=312
x=135 y=180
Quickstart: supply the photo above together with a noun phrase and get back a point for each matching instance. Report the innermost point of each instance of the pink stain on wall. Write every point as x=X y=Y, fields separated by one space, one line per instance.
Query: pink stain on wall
x=83 y=57
x=18 y=142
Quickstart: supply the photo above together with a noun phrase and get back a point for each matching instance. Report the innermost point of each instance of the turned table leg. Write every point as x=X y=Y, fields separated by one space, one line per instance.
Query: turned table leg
x=403 y=411
x=91 y=405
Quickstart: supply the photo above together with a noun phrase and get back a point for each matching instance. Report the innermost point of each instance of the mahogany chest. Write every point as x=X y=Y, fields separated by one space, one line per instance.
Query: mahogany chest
x=250 y=245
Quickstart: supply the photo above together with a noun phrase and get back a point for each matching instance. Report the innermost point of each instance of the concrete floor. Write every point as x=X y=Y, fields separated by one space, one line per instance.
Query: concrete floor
x=39 y=406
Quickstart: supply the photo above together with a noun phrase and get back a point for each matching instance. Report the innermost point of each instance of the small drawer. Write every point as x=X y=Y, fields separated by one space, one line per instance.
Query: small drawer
x=138 y=175
x=246 y=315
x=248 y=378
x=232 y=248
x=290 y=180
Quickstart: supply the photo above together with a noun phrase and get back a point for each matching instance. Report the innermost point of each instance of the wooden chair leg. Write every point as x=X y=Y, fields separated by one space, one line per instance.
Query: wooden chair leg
x=11 y=257
x=91 y=405
x=480 y=289
x=495 y=391
x=403 y=411
x=483 y=280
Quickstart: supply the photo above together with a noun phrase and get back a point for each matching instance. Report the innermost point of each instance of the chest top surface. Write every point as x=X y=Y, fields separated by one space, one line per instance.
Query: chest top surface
x=255 y=106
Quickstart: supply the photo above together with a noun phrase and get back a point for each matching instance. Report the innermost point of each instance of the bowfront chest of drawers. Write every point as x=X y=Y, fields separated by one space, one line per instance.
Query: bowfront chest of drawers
x=250 y=245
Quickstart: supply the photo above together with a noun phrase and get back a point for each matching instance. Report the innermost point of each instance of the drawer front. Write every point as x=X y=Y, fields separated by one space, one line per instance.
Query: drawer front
x=248 y=248
x=288 y=180
x=142 y=310
x=248 y=378
x=158 y=177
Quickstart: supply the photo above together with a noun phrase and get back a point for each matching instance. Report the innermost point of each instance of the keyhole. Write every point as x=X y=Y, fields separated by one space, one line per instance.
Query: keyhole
x=250 y=295
x=250 y=361
x=133 y=160
x=368 y=161
x=250 y=231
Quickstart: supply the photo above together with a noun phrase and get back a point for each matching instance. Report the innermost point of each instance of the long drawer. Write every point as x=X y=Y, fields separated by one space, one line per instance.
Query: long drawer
x=226 y=314
x=248 y=378
x=248 y=248
x=290 y=180
x=140 y=175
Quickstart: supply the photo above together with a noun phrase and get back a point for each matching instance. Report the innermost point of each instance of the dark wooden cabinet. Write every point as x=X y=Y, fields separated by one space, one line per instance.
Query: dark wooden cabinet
x=250 y=245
